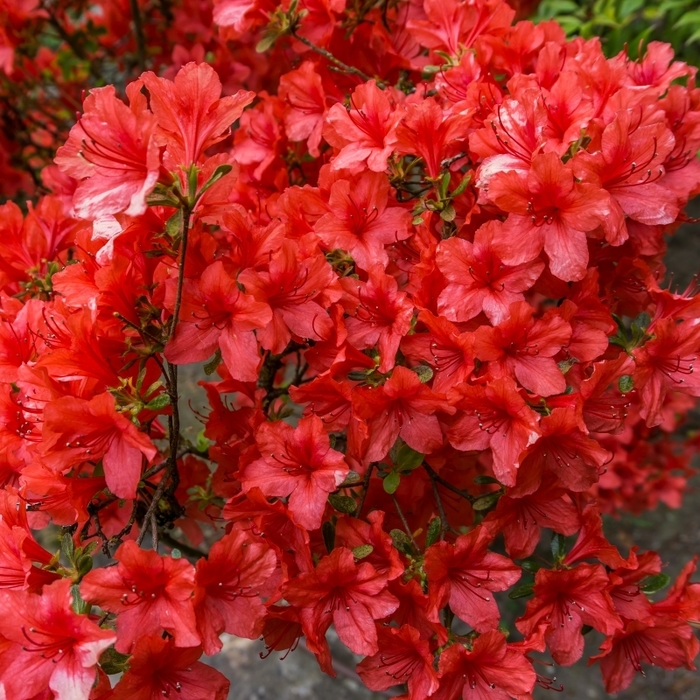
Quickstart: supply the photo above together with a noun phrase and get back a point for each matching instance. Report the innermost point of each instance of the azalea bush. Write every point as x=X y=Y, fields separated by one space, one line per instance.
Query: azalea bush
x=416 y=251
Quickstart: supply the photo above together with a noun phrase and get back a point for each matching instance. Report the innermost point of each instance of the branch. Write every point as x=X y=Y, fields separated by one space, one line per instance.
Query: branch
x=365 y=487
x=138 y=34
x=336 y=62
x=444 y=525
x=171 y=479
x=404 y=522
x=434 y=475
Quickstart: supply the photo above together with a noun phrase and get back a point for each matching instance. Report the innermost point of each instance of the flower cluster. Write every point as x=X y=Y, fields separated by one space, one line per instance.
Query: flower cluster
x=418 y=251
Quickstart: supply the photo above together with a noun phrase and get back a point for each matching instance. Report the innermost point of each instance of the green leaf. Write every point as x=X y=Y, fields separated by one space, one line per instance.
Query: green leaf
x=462 y=186
x=221 y=171
x=521 y=591
x=351 y=478
x=153 y=388
x=68 y=547
x=391 y=482
x=79 y=605
x=433 y=532
x=449 y=213
x=112 y=662
x=343 y=504
x=692 y=18
x=401 y=541
x=425 y=373
x=210 y=367
x=83 y=565
x=625 y=383
x=485 y=479
x=266 y=42
x=408 y=459
x=655 y=583
x=486 y=502
x=328 y=532
x=558 y=546
x=364 y=550
x=173 y=226
x=159 y=402
x=530 y=565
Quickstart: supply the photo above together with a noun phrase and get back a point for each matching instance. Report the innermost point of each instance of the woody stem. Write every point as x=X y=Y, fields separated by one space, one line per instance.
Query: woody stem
x=365 y=488
x=335 y=61
x=434 y=475
x=404 y=522
x=171 y=478
x=138 y=34
x=444 y=525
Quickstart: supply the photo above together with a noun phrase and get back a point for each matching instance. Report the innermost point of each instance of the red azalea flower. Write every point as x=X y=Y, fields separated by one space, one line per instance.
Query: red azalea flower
x=299 y=463
x=520 y=519
x=352 y=532
x=76 y=430
x=524 y=349
x=229 y=583
x=148 y=593
x=113 y=154
x=191 y=113
x=628 y=166
x=494 y=416
x=403 y=658
x=295 y=287
x=666 y=363
x=428 y=132
x=352 y=597
x=565 y=451
x=630 y=601
x=302 y=91
x=159 y=669
x=47 y=644
x=567 y=599
x=452 y=27
x=379 y=314
x=215 y=313
x=365 y=132
x=491 y=669
x=402 y=407
x=667 y=643
x=449 y=353
x=548 y=209
x=478 y=280
x=511 y=137
x=359 y=220
x=465 y=574
x=592 y=543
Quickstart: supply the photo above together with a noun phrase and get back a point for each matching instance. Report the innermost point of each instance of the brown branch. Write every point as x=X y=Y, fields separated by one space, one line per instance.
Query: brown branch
x=434 y=475
x=365 y=488
x=404 y=522
x=335 y=61
x=138 y=34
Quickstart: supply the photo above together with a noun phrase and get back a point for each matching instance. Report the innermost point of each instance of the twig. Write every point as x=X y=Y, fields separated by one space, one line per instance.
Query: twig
x=337 y=62
x=154 y=531
x=167 y=539
x=434 y=475
x=444 y=525
x=365 y=488
x=404 y=522
x=171 y=479
x=138 y=34
x=181 y=275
